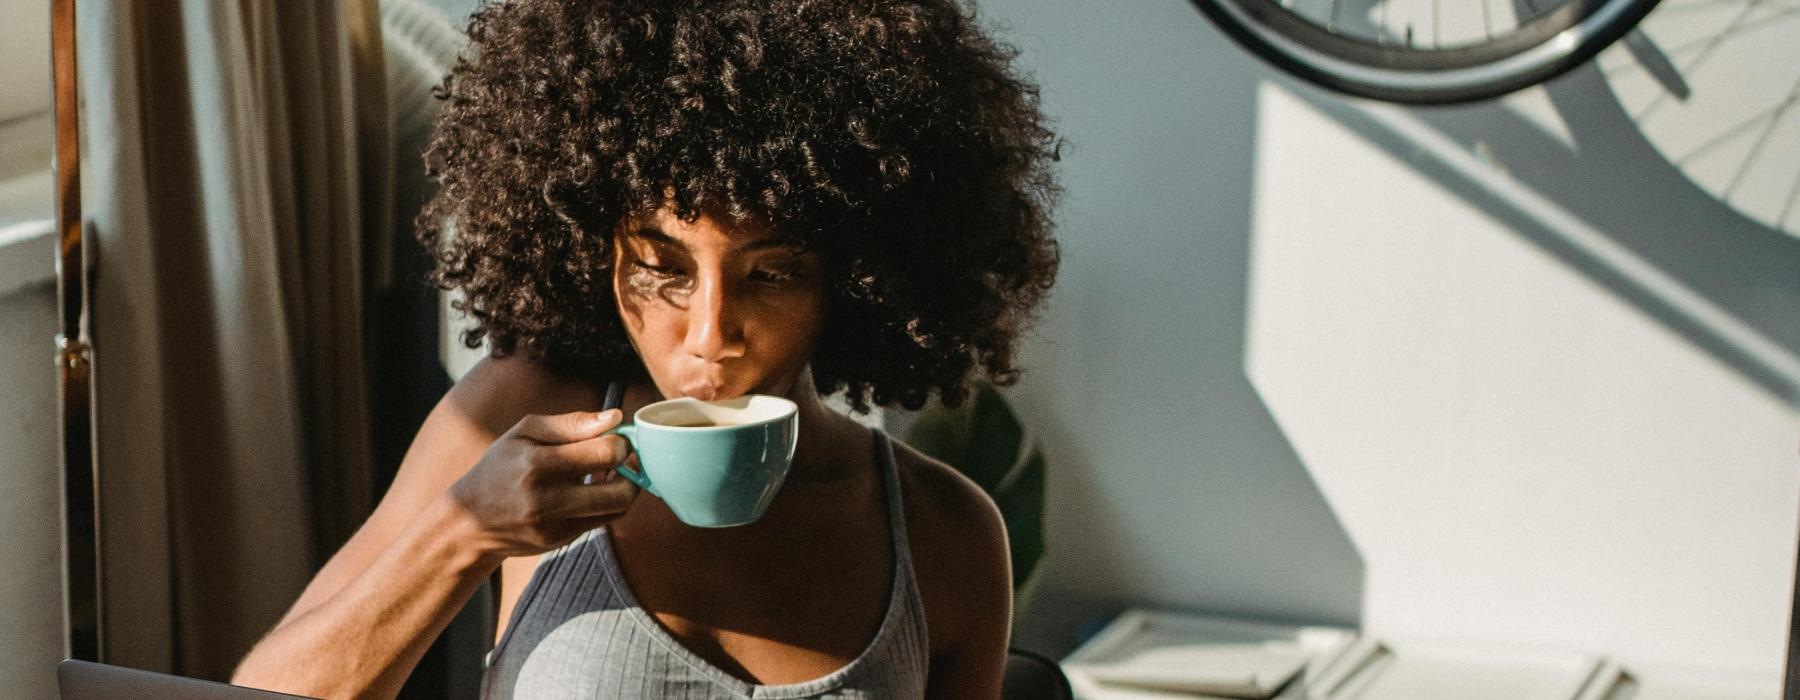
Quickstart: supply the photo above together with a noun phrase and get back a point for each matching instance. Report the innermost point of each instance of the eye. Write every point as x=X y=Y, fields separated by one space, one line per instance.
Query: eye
x=768 y=275
x=666 y=272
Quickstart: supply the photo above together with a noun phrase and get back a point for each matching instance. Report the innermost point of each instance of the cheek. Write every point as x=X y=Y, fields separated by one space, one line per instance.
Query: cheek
x=792 y=328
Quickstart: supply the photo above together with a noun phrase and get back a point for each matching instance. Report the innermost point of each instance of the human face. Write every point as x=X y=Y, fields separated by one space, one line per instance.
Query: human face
x=717 y=310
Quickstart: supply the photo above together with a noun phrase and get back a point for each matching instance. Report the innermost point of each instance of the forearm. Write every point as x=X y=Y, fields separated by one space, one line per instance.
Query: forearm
x=365 y=640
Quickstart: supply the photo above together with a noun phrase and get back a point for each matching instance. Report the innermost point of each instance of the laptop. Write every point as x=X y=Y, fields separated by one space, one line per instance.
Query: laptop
x=86 y=680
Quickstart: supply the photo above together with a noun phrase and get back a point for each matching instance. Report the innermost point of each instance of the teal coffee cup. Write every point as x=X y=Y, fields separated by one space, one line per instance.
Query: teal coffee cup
x=716 y=463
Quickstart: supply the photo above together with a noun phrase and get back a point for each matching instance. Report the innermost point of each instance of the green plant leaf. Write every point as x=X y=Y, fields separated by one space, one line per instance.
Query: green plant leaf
x=984 y=439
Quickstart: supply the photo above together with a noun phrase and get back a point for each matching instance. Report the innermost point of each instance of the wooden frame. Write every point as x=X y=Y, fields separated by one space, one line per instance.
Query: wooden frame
x=74 y=357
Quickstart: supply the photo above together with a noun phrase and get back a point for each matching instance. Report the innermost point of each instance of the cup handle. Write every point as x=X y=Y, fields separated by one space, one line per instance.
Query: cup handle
x=632 y=475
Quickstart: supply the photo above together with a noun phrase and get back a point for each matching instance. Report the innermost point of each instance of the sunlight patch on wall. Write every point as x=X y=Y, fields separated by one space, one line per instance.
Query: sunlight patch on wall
x=1519 y=454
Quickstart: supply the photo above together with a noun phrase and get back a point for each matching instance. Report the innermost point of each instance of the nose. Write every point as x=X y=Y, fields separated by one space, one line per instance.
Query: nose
x=715 y=331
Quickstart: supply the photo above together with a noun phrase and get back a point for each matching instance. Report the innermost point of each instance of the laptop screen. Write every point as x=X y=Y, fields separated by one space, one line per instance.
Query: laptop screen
x=86 y=680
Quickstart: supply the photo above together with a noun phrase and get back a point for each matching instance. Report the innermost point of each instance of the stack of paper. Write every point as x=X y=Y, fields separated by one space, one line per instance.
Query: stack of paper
x=1395 y=670
x=1147 y=655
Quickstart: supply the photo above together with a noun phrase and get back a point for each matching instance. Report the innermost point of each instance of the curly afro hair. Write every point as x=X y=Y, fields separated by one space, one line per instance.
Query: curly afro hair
x=894 y=138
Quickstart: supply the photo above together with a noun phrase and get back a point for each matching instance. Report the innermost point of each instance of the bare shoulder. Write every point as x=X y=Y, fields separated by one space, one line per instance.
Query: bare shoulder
x=959 y=550
x=498 y=391
x=941 y=495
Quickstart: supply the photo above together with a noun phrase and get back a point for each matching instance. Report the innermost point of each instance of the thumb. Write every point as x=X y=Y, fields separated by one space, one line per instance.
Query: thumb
x=564 y=428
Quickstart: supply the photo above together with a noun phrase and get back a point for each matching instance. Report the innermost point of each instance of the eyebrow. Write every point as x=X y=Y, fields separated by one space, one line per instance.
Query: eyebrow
x=766 y=243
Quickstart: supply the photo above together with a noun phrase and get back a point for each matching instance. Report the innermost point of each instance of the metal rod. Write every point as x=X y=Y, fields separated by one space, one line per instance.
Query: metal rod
x=1790 y=682
x=74 y=358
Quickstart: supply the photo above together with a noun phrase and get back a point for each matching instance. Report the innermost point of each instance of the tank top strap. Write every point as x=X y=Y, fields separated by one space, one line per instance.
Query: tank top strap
x=890 y=469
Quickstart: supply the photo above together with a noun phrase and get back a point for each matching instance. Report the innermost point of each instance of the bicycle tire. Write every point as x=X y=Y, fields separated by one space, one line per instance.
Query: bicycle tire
x=1544 y=47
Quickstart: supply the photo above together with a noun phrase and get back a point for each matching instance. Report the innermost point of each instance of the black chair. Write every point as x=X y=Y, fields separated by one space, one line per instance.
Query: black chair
x=1033 y=677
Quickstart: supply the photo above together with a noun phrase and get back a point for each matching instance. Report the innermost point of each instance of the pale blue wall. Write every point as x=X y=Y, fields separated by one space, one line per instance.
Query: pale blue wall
x=1171 y=484
x=1175 y=484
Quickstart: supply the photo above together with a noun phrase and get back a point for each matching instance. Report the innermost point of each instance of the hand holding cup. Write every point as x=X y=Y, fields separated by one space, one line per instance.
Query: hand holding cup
x=529 y=493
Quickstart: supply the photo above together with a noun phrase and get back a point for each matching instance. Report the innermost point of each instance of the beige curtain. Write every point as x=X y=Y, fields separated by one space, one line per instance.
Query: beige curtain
x=237 y=165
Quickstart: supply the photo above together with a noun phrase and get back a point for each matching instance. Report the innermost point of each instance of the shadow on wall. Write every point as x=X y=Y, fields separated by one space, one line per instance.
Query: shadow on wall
x=1631 y=222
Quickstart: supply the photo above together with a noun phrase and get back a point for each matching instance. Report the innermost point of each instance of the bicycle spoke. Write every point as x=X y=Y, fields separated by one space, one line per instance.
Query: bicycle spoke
x=1698 y=44
x=1788 y=208
x=1669 y=9
x=1381 y=26
x=1739 y=29
x=1437 y=36
x=1761 y=141
x=1742 y=126
x=1659 y=100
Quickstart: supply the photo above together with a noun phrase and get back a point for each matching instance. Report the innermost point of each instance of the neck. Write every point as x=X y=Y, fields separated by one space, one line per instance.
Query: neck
x=831 y=445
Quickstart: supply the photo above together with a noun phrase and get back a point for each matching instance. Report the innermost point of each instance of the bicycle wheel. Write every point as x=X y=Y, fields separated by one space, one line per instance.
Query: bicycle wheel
x=1713 y=87
x=1422 y=51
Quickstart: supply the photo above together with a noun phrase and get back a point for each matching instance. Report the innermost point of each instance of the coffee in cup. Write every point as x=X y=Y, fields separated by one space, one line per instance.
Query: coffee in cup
x=715 y=463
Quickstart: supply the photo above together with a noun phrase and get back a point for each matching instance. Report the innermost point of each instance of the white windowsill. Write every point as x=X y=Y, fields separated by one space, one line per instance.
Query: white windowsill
x=27 y=210
x=27 y=255
x=27 y=202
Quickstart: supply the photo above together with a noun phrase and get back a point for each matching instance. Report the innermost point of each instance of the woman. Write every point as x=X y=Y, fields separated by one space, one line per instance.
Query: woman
x=708 y=199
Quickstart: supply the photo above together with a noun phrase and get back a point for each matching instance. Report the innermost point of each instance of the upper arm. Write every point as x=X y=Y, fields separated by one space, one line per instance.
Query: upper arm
x=965 y=578
x=515 y=573
x=493 y=396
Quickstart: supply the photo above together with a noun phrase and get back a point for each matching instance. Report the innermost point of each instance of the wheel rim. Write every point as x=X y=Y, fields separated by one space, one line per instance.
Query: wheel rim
x=1545 y=45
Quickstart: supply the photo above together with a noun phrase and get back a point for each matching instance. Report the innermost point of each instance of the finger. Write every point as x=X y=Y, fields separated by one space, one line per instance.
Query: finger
x=581 y=525
x=566 y=427
x=611 y=473
x=597 y=500
x=572 y=460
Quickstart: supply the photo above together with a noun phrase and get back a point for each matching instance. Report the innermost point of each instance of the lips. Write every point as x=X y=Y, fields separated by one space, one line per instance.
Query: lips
x=707 y=391
x=714 y=383
x=702 y=392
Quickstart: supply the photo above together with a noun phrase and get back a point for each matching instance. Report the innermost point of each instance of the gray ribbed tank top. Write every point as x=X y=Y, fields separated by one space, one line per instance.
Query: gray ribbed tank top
x=578 y=632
